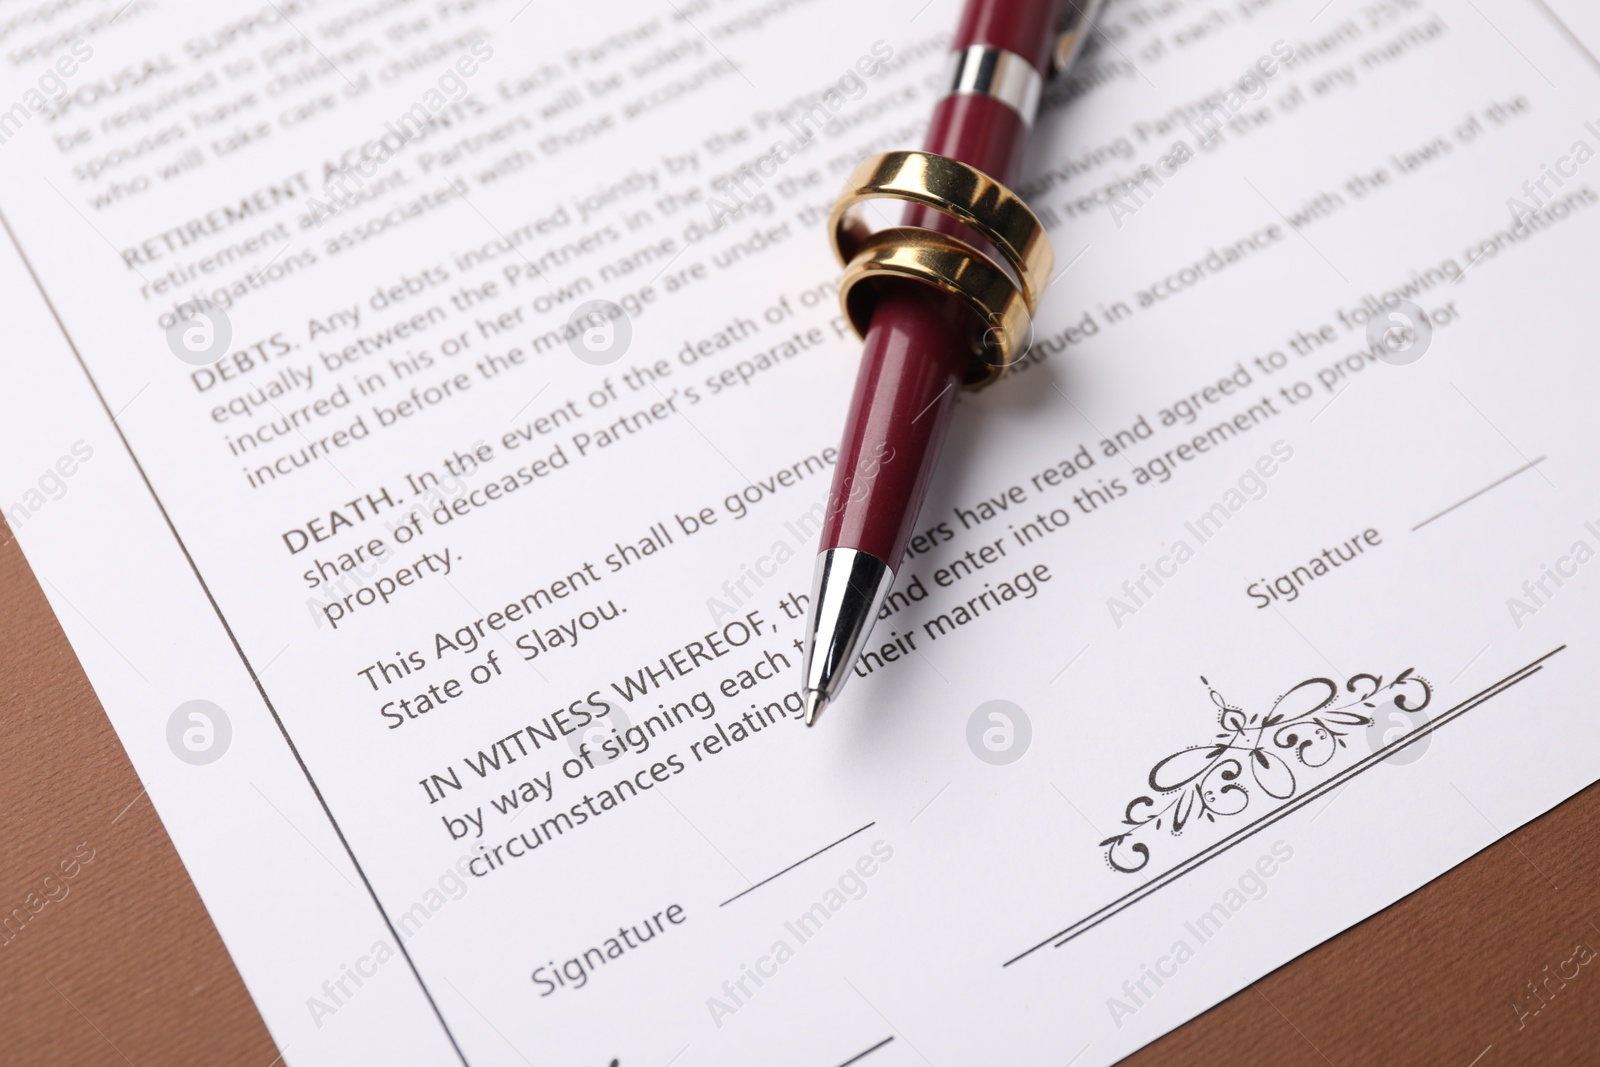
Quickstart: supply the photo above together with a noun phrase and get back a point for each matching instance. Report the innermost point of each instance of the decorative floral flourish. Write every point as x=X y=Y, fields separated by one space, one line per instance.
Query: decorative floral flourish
x=1205 y=781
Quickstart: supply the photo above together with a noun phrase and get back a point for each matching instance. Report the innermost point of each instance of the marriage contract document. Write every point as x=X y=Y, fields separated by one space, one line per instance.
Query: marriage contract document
x=419 y=414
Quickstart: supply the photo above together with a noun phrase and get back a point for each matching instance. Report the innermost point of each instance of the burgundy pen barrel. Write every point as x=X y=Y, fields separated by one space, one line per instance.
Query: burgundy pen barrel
x=916 y=354
x=919 y=345
x=980 y=130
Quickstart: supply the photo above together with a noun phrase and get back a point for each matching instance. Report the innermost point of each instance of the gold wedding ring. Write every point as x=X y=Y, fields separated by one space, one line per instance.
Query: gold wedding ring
x=1003 y=301
x=949 y=264
x=964 y=193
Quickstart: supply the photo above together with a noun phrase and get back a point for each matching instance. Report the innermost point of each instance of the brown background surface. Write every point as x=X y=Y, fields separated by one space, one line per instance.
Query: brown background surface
x=127 y=969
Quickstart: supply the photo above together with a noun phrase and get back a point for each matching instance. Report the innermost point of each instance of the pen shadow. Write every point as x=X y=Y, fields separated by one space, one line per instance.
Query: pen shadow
x=1013 y=406
x=1017 y=405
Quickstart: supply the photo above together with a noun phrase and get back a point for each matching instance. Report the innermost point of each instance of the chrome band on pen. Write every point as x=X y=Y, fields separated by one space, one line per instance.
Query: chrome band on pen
x=982 y=70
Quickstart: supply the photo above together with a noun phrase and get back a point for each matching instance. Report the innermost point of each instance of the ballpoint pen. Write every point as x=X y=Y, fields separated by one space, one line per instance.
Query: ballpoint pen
x=944 y=302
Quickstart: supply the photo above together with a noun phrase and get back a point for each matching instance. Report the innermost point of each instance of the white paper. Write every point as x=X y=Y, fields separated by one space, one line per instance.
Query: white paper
x=891 y=885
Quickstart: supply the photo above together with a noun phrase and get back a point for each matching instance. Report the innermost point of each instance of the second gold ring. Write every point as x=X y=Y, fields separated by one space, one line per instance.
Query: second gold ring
x=955 y=267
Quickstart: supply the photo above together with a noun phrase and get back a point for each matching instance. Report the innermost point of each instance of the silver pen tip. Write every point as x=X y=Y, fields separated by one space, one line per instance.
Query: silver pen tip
x=815 y=702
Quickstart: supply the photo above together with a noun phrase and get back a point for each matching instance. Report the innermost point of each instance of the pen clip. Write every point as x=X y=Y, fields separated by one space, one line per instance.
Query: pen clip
x=1075 y=27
